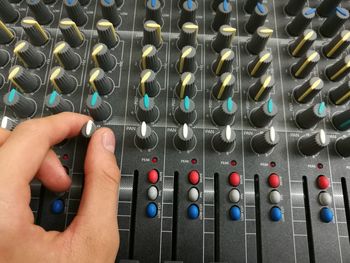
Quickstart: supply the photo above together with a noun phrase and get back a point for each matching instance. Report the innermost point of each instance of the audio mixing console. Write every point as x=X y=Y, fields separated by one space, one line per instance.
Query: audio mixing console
x=232 y=119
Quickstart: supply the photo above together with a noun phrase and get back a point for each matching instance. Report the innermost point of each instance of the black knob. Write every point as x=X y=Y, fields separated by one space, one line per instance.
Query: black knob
x=147 y=110
x=341 y=120
x=309 y=118
x=102 y=57
x=2 y=80
x=257 y=18
x=8 y=123
x=154 y=11
x=224 y=62
x=149 y=58
x=8 y=13
x=301 y=21
x=106 y=33
x=6 y=35
x=28 y=55
x=264 y=142
x=259 y=39
x=98 y=108
x=223 y=89
x=22 y=106
x=35 y=32
x=341 y=94
x=71 y=33
x=75 y=11
x=249 y=5
x=186 y=112
x=225 y=113
x=186 y=86
x=305 y=65
x=225 y=140
x=188 y=35
x=294 y=7
x=327 y=7
x=66 y=56
x=152 y=34
x=62 y=81
x=100 y=82
x=224 y=38
x=148 y=83
x=303 y=43
x=222 y=15
x=337 y=45
x=310 y=145
x=263 y=116
x=260 y=90
x=40 y=11
x=57 y=104
x=145 y=138
x=4 y=58
x=260 y=64
x=307 y=91
x=187 y=61
x=23 y=80
x=339 y=70
x=214 y=4
x=335 y=22
x=185 y=139
x=342 y=146
x=88 y=129
x=188 y=12
x=110 y=12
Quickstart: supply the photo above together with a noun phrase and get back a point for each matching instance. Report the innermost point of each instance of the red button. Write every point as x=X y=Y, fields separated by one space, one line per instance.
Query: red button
x=274 y=180
x=234 y=179
x=193 y=177
x=323 y=182
x=153 y=176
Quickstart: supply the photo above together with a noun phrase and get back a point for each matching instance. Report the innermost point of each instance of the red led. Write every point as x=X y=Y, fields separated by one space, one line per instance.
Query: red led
x=153 y=176
x=274 y=180
x=320 y=166
x=65 y=157
x=193 y=177
x=154 y=160
x=194 y=161
x=234 y=179
x=233 y=163
x=323 y=182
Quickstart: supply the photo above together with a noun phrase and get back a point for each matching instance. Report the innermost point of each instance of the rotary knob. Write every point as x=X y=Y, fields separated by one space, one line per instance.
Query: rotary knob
x=188 y=35
x=339 y=70
x=263 y=116
x=106 y=33
x=4 y=58
x=28 y=55
x=100 y=82
x=185 y=112
x=327 y=7
x=306 y=64
x=7 y=12
x=149 y=58
x=71 y=33
x=102 y=57
x=66 y=56
x=337 y=45
x=341 y=120
x=293 y=7
x=147 y=110
x=75 y=11
x=186 y=86
x=35 y=32
x=222 y=15
x=306 y=92
x=224 y=62
x=257 y=18
x=185 y=139
x=301 y=21
x=110 y=12
x=249 y=5
x=154 y=11
x=40 y=11
x=187 y=61
x=88 y=129
x=98 y=108
x=259 y=39
x=224 y=38
x=309 y=118
x=310 y=145
x=225 y=113
x=148 y=83
x=145 y=138
x=6 y=35
x=62 y=81
x=8 y=123
x=188 y=12
x=303 y=43
x=260 y=64
x=152 y=34
x=22 y=106
x=341 y=94
x=342 y=146
x=57 y=104
x=1 y=80
x=260 y=90
x=225 y=140
x=335 y=22
x=264 y=142
x=23 y=80
x=223 y=89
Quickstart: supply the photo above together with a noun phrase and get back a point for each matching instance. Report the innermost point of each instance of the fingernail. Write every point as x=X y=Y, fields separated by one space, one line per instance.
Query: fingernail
x=108 y=140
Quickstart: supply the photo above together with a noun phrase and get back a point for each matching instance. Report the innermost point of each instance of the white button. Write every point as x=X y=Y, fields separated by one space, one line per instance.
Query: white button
x=325 y=198
x=152 y=193
x=193 y=194
x=275 y=197
x=234 y=196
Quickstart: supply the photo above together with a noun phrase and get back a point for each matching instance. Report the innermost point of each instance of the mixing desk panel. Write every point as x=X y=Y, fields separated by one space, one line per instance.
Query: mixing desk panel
x=232 y=120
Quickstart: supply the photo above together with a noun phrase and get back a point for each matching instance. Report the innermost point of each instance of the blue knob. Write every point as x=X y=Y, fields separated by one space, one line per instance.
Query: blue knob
x=193 y=211
x=235 y=213
x=326 y=215
x=276 y=214
x=57 y=206
x=151 y=210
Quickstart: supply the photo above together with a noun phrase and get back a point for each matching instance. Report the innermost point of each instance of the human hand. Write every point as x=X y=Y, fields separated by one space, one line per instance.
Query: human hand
x=26 y=153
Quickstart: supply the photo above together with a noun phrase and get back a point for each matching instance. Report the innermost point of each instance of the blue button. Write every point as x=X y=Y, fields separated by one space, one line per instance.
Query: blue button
x=151 y=210
x=193 y=211
x=235 y=213
x=276 y=214
x=57 y=206
x=326 y=215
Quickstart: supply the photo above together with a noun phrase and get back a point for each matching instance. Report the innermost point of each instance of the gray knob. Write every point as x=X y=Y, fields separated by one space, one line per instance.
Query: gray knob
x=334 y=22
x=339 y=69
x=342 y=146
x=264 y=142
x=260 y=90
x=103 y=58
x=110 y=12
x=106 y=33
x=225 y=113
x=62 y=81
x=224 y=38
x=147 y=110
x=23 y=80
x=341 y=120
x=303 y=43
x=71 y=33
x=257 y=18
x=100 y=82
x=249 y=5
x=309 y=118
x=337 y=45
x=307 y=91
x=223 y=89
x=259 y=39
x=310 y=145
x=263 y=116
x=75 y=12
x=185 y=139
x=149 y=58
x=188 y=12
x=186 y=86
x=88 y=129
x=41 y=11
x=301 y=21
x=35 y=32
x=148 y=83
x=222 y=15
x=6 y=35
x=22 y=106
x=145 y=138
x=341 y=94
x=225 y=140
x=66 y=56
x=7 y=12
x=187 y=61
x=57 y=104
x=28 y=55
x=152 y=34
x=260 y=64
x=98 y=108
x=294 y=7
x=185 y=112
x=306 y=64
x=188 y=35
x=8 y=123
x=224 y=62
x=327 y=7
x=154 y=11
